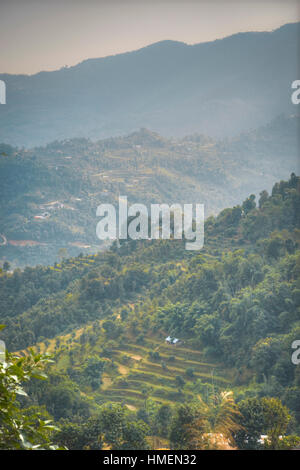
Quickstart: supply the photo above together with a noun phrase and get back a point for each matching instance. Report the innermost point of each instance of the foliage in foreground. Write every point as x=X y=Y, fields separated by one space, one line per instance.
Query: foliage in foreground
x=22 y=428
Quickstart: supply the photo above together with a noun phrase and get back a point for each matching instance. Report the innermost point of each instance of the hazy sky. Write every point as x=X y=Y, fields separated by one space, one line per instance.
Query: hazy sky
x=48 y=34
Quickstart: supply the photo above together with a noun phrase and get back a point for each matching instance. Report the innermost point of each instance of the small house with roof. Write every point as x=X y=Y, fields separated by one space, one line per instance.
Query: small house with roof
x=173 y=341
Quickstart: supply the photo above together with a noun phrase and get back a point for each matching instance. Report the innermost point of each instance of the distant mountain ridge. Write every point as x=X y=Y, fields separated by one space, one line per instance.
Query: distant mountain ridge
x=219 y=88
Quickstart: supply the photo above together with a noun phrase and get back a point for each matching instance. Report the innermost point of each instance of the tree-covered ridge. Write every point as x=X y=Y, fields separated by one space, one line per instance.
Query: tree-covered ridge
x=235 y=305
x=87 y=287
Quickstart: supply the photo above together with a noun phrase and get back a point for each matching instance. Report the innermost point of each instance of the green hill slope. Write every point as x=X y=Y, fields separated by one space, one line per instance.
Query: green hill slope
x=234 y=306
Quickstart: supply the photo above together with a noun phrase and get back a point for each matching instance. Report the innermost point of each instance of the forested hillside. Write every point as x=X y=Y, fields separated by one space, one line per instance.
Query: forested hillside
x=234 y=306
x=49 y=195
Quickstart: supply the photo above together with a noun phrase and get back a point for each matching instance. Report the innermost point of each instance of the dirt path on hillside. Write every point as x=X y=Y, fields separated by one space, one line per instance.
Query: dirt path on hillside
x=136 y=357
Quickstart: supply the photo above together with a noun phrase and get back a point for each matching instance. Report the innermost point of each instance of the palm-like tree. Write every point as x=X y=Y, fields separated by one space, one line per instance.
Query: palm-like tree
x=216 y=422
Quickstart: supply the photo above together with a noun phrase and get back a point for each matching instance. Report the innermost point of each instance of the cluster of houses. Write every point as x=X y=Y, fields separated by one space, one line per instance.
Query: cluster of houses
x=52 y=206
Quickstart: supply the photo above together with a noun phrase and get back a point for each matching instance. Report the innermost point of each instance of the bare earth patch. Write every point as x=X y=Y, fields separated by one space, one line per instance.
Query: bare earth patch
x=136 y=357
x=131 y=407
x=106 y=382
x=123 y=370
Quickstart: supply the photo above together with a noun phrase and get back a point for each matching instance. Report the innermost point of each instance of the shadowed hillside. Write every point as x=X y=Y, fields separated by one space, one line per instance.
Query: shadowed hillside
x=220 y=88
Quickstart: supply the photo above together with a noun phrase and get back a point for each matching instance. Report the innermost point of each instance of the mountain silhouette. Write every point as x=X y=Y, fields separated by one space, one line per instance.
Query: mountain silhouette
x=219 y=88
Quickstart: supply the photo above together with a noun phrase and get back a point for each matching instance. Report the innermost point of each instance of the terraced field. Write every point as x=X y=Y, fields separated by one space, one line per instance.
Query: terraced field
x=144 y=377
x=152 y=369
